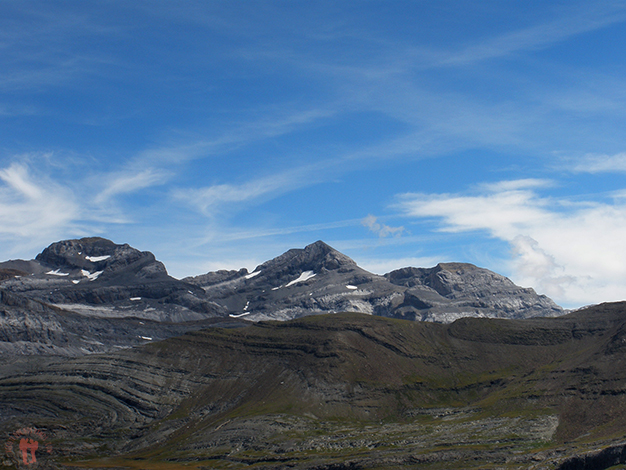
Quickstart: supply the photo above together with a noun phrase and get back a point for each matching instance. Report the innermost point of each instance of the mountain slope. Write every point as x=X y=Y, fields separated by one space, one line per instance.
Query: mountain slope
x=452 y=290
x=32 y=327
x=338 y=390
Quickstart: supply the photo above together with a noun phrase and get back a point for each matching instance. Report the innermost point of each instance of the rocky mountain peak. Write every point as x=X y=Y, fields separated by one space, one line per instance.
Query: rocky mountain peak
x=316 y=257
x=445 y=278
x=96 y=275
x=472 y=288
x=83 y=253
x=99 y=254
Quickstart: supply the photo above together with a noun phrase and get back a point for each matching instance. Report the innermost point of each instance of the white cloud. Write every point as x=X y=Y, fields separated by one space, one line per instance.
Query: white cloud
x=540 y=36
x=601 y=164
x=213 y=199
x=532 y=262
x=129 y=182
x=382 y=230
x=267 y=123
x=572 y=252
x=33 y=210
x=37 y=209
x=513 y=185
x=227 y=234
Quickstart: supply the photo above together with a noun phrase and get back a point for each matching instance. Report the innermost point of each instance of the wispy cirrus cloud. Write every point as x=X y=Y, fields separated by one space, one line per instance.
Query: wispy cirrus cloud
x=570 y=251
x=263 y=123
x=600 y=164
x=382 y=230
x=127 y=182
x=37 y=208
x=212 y=200
x=34 y=209
x=542 y=35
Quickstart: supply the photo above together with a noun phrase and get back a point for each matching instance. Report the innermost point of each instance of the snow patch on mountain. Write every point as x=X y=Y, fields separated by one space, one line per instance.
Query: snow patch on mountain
x=57 y=272
x=91 y=276
x=95 y=259
x=305 y=276
x=232 y=315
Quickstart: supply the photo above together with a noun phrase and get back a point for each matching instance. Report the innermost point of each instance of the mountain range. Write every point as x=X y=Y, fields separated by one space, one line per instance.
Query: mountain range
x=92 y=295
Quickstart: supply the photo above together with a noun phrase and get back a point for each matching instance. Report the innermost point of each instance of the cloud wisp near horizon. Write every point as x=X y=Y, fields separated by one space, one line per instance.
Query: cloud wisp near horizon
x=219 y=136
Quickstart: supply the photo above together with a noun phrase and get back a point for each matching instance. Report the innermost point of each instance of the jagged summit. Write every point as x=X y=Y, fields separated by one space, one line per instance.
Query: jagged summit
x=315 y=257
x=467 y=288
x=448 y=277
x=77 y=253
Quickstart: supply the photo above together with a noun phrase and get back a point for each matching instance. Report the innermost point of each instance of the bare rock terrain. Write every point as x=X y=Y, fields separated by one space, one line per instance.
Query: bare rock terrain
x=319 y=279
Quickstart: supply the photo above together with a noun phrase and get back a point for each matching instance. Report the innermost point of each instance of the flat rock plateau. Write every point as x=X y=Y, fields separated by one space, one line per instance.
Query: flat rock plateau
x=123 y=367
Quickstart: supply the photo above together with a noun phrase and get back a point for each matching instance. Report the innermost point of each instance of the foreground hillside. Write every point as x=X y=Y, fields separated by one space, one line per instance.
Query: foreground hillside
x=339 y=391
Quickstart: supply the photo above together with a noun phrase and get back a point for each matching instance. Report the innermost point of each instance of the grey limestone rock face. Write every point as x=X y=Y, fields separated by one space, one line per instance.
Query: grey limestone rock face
x=98 y=254
x=319 y=279
x=313 y=280
x=31 y=327
x=463 y=287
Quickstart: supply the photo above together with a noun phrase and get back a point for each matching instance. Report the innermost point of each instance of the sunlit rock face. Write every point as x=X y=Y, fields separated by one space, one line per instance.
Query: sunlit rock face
x=319 y=279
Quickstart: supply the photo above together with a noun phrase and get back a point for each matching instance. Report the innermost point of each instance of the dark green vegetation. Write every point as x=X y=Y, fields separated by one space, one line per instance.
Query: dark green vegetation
x=345 y=391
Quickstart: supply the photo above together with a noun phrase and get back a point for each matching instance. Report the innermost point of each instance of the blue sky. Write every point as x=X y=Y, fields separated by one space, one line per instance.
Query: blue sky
x=219 y=134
